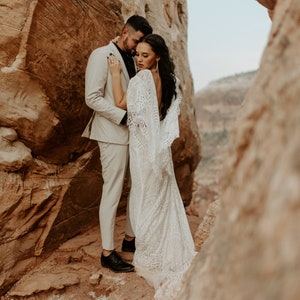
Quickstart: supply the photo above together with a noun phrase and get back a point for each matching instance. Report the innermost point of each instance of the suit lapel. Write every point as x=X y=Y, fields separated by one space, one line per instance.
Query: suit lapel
x=116 y=53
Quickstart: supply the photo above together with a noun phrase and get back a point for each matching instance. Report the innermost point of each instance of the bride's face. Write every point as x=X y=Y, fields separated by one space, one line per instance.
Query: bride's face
x=145 y=57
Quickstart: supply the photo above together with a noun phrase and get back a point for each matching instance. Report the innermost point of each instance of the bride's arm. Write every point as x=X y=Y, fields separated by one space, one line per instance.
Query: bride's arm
x=115 y=70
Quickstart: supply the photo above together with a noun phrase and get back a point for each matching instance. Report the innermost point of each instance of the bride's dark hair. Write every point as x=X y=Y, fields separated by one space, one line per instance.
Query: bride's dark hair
x=166 y=70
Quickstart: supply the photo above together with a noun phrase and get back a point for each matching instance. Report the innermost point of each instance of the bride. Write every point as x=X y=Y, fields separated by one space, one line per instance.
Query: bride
x=164 y=244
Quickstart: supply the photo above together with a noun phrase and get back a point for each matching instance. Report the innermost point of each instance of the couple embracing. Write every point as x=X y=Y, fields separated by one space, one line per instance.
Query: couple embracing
x=131 y=86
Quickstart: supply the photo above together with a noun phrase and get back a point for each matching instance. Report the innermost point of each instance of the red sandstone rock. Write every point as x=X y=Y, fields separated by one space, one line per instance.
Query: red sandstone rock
x=50 y=189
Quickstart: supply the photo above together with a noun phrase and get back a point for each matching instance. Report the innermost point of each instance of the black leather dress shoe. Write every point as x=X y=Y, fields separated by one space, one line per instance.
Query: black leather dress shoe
x=115 y=263
x=128 y=246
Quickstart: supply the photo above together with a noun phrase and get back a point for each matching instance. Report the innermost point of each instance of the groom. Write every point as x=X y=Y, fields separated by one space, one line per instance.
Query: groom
x=108 y=127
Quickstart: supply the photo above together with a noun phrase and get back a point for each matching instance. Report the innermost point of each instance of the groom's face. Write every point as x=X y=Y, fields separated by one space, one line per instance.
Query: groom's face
x=131 y=40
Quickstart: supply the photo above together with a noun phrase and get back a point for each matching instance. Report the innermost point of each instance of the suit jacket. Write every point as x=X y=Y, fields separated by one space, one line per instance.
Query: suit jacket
x=104 y=124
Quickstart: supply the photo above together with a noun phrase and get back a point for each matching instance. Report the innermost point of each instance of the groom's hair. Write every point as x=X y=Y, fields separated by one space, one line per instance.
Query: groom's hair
x=139 y=23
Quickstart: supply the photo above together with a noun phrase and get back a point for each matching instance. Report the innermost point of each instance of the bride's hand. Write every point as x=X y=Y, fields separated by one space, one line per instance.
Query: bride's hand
x=114 y=64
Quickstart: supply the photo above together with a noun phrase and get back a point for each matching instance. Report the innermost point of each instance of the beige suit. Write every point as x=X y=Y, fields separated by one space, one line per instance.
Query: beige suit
x=112 y=137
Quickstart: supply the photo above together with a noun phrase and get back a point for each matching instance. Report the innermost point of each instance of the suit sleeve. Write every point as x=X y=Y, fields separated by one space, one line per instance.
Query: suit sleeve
x=96 y=77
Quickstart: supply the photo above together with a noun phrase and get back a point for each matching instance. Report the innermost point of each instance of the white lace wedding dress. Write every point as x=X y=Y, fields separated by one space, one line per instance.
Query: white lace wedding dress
x=164 y=244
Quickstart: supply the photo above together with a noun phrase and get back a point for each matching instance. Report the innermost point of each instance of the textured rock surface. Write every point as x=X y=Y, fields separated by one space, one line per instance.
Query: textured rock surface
x=14 y=155
x=51 y=182
x=253 y=249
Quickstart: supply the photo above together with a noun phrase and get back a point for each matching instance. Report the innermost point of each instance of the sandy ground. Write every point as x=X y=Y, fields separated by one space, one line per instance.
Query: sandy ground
x=74 y=272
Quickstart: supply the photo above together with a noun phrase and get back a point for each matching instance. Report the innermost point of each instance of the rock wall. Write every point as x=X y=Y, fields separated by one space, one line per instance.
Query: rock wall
x=253 y=249
x=50 y=177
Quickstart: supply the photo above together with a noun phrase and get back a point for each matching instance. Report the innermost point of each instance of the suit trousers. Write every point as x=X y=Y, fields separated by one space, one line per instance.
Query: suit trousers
x=114 y=161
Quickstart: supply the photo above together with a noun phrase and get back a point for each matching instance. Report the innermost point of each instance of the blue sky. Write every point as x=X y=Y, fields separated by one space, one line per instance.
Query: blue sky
x=225 y=37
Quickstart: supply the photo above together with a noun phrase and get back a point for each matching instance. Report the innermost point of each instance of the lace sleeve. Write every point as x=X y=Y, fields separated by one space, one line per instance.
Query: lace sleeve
x=170 y=124
x=143 y=115
x=150 y=137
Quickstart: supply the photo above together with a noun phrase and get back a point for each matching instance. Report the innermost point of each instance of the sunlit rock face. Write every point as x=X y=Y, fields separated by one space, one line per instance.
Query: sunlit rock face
x=50 y=183
x=253 y=250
